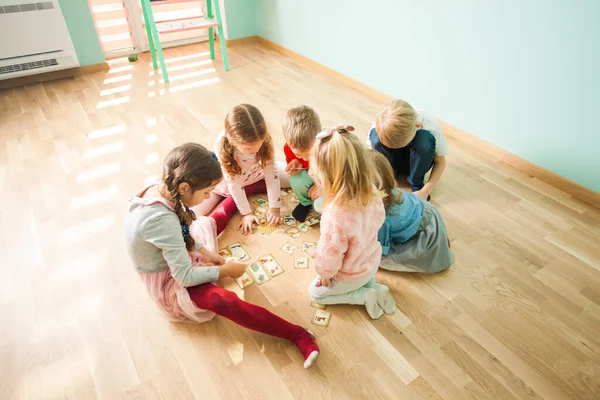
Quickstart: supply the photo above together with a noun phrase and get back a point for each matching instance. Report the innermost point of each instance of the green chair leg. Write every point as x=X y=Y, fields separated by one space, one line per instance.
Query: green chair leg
x=154 y=34
x=211 y=31
x=211 y=42
x=149 y=35
x=221 y=36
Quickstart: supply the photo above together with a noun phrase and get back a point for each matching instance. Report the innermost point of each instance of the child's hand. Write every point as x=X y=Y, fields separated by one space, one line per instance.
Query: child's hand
x=212 y=257
x=233 y=269
x=273 y=217
x=294 y=167
x=423 y=194
x=327 y=282
x=314 y=192
x=246 y=224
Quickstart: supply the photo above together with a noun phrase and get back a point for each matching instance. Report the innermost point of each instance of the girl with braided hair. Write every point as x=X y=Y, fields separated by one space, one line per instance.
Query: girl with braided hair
x=175 y=252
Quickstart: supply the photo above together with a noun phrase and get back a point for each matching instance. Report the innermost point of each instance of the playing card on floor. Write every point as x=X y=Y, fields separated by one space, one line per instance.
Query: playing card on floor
x=314 y=304
x=321 y=318
x=289 y=248
x=244 y=281
x=303 y=227
x=238 y=251
x=286 y=191
x=261 y=201
x=225 y=253
x=293 y=232
x=258 y=273
x=313 y=221
x=272 y=266
x=289 y=220
x=301 y=263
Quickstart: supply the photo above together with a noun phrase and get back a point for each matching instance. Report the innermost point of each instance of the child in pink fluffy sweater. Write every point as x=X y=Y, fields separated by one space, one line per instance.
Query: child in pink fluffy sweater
x=348 y=253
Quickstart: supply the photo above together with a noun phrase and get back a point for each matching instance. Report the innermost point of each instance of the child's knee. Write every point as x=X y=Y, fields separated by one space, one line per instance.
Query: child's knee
x=223 y=301
x=423 y=143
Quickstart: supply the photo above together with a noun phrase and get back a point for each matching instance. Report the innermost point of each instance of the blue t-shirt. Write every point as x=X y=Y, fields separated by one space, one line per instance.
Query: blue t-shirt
x=402 y=221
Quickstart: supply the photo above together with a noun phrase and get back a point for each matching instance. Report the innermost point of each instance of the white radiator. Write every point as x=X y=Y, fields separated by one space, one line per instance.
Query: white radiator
x=33 y=38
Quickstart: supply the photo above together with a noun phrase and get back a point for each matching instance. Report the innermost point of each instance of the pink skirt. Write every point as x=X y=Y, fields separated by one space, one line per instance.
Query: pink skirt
x=172 y=298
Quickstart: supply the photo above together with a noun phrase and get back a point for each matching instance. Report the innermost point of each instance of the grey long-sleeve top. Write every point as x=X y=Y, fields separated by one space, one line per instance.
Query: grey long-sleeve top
x=155 y=243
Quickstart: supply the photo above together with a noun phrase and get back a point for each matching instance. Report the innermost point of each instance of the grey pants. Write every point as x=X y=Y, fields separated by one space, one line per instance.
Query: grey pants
x=428 y=251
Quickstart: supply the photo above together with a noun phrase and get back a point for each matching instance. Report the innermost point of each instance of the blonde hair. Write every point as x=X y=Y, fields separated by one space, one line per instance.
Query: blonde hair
x=384 y=179
x=300 y=127
x=396 y=124
x=339 y=165
x=244 y=124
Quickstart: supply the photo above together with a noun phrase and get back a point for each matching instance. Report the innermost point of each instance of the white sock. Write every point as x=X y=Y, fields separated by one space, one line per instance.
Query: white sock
x=373 y=309
x=384 y=298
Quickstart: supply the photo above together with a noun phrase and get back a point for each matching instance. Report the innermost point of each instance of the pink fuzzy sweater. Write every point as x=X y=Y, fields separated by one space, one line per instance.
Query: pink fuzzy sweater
x=348 y=249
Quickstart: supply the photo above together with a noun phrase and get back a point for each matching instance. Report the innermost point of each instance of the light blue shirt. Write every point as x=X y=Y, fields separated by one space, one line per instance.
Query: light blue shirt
x=402 y=221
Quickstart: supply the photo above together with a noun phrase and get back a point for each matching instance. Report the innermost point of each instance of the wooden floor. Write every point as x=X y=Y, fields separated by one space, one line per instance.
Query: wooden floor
x=518 y=316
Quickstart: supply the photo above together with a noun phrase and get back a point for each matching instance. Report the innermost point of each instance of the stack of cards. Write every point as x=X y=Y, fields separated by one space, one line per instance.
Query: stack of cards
x=238 y=251
x=301 y=262
x=321 y=318
x=310 y=248
x=258 y=273
x=272 y=266
x=289 y=248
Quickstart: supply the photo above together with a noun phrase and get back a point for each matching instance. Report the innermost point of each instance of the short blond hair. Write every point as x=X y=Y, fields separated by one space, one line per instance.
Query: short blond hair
x=300 y=127
x=396 y=124
x=341 y=168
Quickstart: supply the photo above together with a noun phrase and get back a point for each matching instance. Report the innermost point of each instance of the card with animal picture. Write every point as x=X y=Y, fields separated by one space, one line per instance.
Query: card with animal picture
x=303 y=227
x=314 y=304
x=260 y=212
x=286 y=191
x=238 y=251
x=293 y=232
x=310 y=248
x=289 y=220
x=261 y=201
x=225 y=253
x=244 y=281
x=301 y=262
x=321 y=318
x=258 y=273
x=313 y=221
x=289 y=248
x=271 y=265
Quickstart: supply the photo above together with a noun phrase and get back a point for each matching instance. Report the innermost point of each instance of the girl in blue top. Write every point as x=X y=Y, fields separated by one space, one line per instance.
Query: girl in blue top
x=413 y=237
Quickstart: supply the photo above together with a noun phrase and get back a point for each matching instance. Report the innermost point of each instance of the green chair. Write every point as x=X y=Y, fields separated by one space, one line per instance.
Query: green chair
x=207 y=22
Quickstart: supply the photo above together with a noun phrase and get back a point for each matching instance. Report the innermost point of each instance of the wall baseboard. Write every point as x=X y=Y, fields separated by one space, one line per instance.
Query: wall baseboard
x=471 y=141
x=53 y=75
x=242 y=41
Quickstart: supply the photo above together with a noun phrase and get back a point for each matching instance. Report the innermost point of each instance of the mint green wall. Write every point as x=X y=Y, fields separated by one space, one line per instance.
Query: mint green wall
x=241 y=18
x=83 y=32
x=524 y=75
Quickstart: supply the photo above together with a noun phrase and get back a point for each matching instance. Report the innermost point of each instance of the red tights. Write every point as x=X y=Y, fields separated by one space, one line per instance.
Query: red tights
x=225 y=210
x=227 y=304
